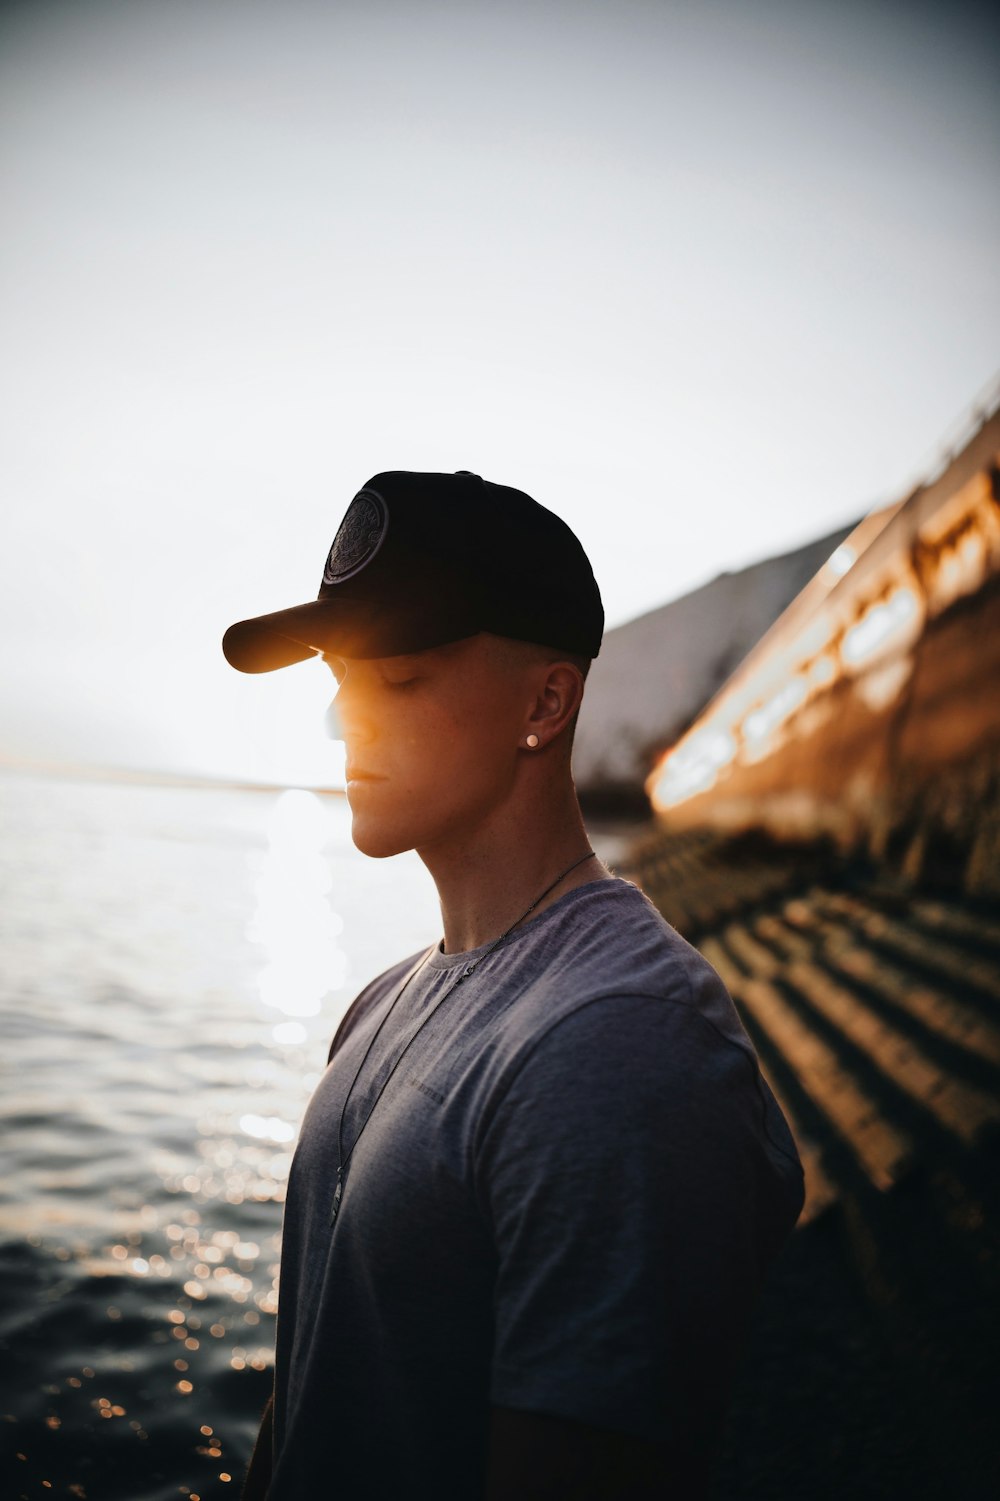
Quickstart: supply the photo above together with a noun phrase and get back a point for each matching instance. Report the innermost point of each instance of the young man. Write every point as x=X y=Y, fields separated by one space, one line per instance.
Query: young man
x=542 y=1179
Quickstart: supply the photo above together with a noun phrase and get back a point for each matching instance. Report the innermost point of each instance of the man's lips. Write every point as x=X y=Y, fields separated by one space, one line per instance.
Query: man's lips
x=360 y=774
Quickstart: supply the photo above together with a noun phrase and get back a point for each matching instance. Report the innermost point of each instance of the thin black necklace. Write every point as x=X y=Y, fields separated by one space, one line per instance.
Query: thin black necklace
x=464 y=974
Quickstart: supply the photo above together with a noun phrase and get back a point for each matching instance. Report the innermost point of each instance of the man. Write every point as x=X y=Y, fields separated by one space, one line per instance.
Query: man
x=542 y=1179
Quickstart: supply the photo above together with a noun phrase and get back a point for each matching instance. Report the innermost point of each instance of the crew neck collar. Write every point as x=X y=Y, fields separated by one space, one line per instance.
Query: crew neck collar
x=441 y=961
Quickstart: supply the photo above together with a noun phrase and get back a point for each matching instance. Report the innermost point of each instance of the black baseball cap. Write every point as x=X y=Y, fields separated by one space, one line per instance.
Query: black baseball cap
x=423 y=559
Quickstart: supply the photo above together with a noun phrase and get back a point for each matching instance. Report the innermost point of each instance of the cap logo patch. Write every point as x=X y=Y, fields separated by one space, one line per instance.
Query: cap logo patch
x=359 y=537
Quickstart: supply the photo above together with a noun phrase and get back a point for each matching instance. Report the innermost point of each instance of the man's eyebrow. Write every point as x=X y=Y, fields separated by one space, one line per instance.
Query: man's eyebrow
x=414 y=658
x=404 y=658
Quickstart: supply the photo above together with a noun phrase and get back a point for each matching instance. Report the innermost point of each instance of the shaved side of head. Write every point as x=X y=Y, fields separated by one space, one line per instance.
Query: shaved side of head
x=515 y=658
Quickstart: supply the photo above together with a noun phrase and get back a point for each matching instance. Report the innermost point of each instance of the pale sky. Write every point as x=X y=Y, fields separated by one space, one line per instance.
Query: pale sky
x=706 y=279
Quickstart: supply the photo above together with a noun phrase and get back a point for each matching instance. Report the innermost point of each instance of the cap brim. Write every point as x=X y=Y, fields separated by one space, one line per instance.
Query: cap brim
x=348 y=627
x=271 y=641
x=251 y=648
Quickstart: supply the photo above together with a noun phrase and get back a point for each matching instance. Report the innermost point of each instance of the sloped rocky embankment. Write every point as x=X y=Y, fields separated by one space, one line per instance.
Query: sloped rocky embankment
x=875 y=1007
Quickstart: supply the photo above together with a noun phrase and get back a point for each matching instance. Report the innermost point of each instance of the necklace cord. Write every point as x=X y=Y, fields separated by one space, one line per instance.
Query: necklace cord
x=589 y=855
x=342 y=1161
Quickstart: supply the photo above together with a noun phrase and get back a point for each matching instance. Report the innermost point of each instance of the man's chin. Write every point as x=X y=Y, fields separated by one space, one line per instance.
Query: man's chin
x=379 y=843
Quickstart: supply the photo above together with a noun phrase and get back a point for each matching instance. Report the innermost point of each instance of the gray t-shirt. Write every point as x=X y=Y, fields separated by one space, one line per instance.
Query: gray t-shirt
x=564 y=1201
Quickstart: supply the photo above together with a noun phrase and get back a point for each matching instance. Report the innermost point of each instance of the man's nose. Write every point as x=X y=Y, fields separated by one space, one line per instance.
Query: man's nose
x=345 y=719
x=334 y=724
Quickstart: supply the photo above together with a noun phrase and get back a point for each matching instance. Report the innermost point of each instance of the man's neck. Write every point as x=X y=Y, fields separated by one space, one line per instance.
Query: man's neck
x=487 y=882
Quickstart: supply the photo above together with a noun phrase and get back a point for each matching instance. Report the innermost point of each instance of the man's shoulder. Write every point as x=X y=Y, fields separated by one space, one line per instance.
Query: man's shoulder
x=607 y=937
x=627 y=1021
x=602 y=945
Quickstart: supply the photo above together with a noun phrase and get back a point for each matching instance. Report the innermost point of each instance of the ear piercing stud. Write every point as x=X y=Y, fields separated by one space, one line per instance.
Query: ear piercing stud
x=532 y=741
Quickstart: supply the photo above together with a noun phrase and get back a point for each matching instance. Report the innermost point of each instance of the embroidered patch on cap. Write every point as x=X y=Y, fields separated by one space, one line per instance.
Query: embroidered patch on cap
x=359 y=537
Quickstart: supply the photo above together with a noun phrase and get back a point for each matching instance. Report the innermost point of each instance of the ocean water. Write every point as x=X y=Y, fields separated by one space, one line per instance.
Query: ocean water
x=174 y=963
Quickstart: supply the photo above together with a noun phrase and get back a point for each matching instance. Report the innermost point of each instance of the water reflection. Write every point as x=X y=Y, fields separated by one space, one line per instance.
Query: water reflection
x=159 y=1064
x=267 y=1128
x=293 y=921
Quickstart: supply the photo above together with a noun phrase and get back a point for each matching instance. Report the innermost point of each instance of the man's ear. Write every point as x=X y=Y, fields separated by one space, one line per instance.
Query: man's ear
x=558 y=695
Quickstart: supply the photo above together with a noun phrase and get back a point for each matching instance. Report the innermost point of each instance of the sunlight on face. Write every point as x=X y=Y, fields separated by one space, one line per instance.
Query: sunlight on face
x=433 y=741
x=293 y=921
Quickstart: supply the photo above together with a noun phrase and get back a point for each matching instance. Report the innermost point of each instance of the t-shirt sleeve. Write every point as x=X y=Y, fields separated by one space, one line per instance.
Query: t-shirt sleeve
x=635 y=1198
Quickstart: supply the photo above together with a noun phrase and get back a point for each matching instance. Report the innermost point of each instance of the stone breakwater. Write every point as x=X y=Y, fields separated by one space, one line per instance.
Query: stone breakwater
x=875 y=1009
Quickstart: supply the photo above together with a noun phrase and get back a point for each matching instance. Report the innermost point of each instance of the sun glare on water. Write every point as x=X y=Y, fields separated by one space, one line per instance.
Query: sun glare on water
x=293 y=921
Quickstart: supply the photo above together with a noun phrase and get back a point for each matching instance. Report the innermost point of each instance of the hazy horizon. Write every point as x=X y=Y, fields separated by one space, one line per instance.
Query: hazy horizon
x=709 y=280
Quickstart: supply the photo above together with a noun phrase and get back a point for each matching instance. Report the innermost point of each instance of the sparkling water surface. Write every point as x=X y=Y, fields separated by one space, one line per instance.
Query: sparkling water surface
x=175 y=962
